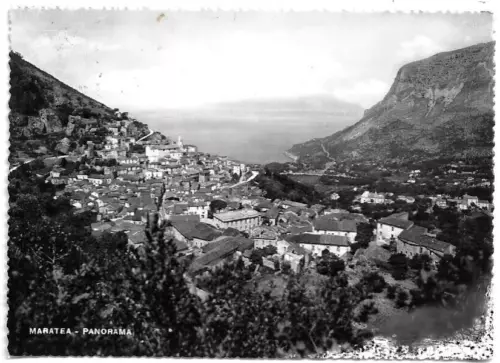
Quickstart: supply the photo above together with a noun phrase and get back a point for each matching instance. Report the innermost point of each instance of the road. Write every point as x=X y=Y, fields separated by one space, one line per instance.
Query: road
x=151 y=132
x=328 y=164
x=254 y=175
x=29 y=161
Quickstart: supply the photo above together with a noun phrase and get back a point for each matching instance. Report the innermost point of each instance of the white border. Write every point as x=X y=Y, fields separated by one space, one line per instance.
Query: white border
x=193 y=5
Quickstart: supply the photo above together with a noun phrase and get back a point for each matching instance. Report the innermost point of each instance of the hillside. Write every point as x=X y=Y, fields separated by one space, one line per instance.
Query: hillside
x=49 y=117
x=441 y=106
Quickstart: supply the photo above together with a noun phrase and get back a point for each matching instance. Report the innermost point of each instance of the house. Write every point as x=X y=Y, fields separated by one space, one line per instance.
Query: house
x=96 y=179
x=198 y=208
x=391 y=227
x=264 y=236
x=484 y=204
x=372 y=198
x=195 y=234
x=272 y=216
x=288 y=203
x=242 y=220
x=183 y=218
x=218 y=253
x=406 y=199
x=441 y=203
x=296 y=256
x=317 y=243
x=416 y=240
x=328 y=225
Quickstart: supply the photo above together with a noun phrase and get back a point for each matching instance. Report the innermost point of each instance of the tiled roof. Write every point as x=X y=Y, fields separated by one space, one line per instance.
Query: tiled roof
x=184 y=218
x=326 y=223
x=417 y=235
x=198 y=230
x=396 y=222
x=237 y=215
x=222 y=248
x=319 y=239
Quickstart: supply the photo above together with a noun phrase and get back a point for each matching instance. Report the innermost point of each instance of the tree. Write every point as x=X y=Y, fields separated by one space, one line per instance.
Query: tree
x=330 y=265
x=391 y=292
x=402 y=298
x=374 y=282
x=217 y=205
x=285 y=267
x=421 y=261
x=399 y=266
x=256 y=257
x=364 y=234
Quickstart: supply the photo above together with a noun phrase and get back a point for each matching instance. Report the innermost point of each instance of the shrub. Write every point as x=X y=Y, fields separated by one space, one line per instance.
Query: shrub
x=402 y=299
x=399 y=266
x=374 y=281
x=391 y=292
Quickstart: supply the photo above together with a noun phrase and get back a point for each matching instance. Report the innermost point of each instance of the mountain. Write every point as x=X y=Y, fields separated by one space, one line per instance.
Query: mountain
x=48 y=117
x=304 y=104
x=437 y=107
x=258 y=130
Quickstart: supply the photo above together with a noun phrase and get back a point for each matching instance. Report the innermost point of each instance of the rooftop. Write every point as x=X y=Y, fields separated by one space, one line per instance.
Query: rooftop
x=396 y=222
x=237 y=215
x=418 y=235
x=192 y=229
x=327 y=223
x=319 y=239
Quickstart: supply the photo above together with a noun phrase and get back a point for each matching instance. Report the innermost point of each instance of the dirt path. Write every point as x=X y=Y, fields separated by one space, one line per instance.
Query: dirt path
x=329 y=163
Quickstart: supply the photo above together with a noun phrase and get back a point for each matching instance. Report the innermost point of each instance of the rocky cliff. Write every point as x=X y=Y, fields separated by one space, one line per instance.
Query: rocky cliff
x=55 y=115
x=441 y=106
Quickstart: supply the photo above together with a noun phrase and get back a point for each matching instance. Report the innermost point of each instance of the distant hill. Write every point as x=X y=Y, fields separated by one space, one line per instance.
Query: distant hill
x=305 y=104
x=41 y=107
x=441 y=106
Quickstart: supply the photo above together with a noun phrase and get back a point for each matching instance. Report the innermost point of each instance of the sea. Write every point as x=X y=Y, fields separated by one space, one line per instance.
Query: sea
x=249 y=139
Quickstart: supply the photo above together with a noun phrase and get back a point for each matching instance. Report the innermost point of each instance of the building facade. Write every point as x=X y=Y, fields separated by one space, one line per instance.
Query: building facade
x=242 y=220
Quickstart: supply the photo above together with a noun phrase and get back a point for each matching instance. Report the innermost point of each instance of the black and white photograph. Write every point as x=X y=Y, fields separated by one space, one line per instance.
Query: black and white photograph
x=250 y=184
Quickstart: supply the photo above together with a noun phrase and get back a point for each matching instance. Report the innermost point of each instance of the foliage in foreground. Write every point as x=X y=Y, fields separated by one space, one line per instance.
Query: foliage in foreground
x=61 y=276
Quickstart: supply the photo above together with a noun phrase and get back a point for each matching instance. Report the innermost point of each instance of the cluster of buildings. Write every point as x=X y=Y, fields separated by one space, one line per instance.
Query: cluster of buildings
x=463 y=203
x=214 y=213
x=121 y=186
x=409 y=238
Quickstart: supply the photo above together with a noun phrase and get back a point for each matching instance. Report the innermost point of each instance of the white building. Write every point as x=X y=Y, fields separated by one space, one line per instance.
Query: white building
x=242 y=220
x=391 y=227
x=316 y=244
x=372 y=198
x=327 y=225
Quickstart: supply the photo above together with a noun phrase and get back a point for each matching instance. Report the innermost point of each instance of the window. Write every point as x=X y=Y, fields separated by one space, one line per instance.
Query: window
x=392 y=229
x=338 y=249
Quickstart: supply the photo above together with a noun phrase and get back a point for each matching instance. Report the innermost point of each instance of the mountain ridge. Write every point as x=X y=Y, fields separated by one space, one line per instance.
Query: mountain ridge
x=49 y=117
x=435 y=107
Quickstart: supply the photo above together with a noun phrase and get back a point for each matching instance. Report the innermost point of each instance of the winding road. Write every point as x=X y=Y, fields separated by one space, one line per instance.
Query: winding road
x=254 y=175
x=151 y=132
x=29 y=161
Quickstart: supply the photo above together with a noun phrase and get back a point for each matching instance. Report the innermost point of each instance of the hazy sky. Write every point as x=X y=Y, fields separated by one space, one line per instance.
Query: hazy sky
x=130 y=60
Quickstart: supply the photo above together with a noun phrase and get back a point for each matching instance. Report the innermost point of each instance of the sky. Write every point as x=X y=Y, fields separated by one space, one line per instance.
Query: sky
x=149 y=60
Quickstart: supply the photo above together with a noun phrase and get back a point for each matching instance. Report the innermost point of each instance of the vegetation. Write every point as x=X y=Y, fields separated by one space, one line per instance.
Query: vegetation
x=60 y=275
x=279 y=186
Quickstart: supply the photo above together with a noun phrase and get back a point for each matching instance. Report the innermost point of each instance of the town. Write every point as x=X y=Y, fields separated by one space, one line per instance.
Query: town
x=271 y=185
x=216 y=213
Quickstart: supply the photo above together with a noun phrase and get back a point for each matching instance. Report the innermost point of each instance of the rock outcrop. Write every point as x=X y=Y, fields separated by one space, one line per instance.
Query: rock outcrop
x=50 y=120
x=441 y=106
x=63 y=146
